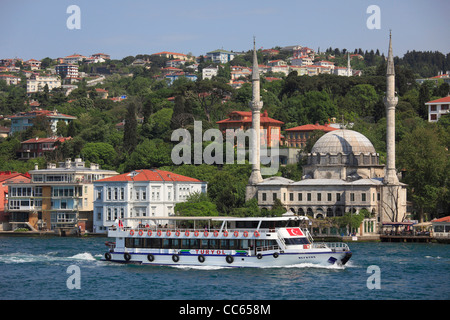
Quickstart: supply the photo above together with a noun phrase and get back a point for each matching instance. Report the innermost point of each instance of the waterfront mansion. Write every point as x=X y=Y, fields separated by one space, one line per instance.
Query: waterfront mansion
x=140 y=193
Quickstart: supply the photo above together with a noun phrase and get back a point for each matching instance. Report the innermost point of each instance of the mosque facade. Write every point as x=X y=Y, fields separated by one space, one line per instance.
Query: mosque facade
x=343 y=174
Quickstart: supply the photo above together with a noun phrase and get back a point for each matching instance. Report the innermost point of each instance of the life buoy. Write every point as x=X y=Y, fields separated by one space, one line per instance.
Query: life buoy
x=175 y=258
x=275 y=255
x=168 y=233
x=246 y=233
x=150 y=257
x=108 y=256
x=256 y=233
x=206 y=233
x=229 y=259
x=186 y=233
x=127 y=256
x=201 y=258
x=225 y=233
x=149 y=233
x=158 y=233
x=131 y=232
x=140 y=232
x=177 y=233
x=216 y=233
x=259 y=256
x=236 y=233
x=196 y=233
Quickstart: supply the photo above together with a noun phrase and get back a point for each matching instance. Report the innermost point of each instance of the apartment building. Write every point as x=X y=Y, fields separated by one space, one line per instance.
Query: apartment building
x=59 y=197
x=36 y=83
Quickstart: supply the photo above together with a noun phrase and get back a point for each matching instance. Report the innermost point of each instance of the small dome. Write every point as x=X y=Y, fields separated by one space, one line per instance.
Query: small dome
x=343 y=141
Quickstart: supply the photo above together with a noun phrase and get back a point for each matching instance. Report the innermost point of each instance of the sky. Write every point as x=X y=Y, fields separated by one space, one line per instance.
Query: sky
x=33 y=29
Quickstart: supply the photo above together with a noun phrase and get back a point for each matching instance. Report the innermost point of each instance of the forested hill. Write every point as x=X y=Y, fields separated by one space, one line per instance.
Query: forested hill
x=425 y=63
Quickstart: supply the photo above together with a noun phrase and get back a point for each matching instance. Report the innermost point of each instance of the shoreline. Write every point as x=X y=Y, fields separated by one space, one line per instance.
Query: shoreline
x=346 y=239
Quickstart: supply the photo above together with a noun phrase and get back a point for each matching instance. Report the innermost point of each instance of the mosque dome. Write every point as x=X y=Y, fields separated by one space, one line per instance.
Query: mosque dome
x=343 y=154
x=343 y=141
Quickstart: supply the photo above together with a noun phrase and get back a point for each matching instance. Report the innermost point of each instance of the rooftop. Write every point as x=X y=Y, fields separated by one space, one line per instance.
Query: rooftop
x=149 y=175
x=441 y=100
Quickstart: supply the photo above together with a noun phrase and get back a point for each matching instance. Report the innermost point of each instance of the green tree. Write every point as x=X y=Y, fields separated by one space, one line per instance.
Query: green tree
x=423 y=154
x=130 y=138
x=101 y=153
x=197 y=204
x=149 y=154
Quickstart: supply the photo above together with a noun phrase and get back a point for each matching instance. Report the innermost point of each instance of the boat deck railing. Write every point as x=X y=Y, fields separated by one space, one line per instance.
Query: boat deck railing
x=267 y=248
x=334 y=246
x=208 y=232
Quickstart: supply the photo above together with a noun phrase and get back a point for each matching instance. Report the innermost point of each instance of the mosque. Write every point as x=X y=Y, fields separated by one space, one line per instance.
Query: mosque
x=343 y=172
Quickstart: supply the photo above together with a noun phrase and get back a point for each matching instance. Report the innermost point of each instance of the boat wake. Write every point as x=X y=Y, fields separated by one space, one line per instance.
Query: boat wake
x=19 y=257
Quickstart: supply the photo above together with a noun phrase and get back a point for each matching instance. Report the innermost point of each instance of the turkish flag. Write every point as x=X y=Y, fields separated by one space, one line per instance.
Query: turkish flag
x=294 y=231
x=120 y=224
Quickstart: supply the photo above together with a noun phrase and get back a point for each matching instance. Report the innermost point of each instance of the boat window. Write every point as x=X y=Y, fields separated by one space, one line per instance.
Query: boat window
x=223 y=244
x=175 y=243
x=194 y=243
x=247 y=224
x=266 y=243
x=213 y=244
x=295 y=241
x=185 y=244
x=166 y=243
x=203 y=244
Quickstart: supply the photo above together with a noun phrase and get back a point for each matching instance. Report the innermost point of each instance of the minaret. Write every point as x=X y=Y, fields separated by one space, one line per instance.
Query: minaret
x=256 y=105
x=390 y=101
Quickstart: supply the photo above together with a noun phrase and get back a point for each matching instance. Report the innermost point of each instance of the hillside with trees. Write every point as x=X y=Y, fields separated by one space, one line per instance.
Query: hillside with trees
x=153 y=109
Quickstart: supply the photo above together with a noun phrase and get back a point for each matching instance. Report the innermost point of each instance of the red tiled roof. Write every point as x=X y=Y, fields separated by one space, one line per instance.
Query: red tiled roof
x=312 y=127
x=45 y=140
x=247 y=117
x=150 y=175
x=443 y=219
x=6 y=175
x=445 y=99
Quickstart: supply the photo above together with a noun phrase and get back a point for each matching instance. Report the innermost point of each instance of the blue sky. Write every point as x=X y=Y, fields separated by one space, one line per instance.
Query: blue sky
x=37 y=29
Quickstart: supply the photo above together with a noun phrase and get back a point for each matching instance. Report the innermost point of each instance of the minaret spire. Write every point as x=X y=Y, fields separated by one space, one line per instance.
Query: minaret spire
x=256 y=106
x=390 y=101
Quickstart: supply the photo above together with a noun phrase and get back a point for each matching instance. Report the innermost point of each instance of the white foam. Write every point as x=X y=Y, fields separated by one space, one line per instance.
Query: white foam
x=83 y=256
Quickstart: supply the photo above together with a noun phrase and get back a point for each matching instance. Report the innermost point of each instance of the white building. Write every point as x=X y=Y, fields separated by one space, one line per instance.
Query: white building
x=437 y=108
x=220 y=56
x=302 y=61
x=209 y=72
x=141 y=193
x=37 y=83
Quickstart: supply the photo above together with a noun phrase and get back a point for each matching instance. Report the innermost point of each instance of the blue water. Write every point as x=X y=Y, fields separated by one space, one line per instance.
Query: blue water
x=37 y=268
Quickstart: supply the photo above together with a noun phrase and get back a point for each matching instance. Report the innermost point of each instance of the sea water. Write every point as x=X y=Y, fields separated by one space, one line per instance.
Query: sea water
x=42 y=268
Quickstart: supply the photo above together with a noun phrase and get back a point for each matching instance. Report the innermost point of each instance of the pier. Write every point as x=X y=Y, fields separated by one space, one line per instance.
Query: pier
x=406 y=238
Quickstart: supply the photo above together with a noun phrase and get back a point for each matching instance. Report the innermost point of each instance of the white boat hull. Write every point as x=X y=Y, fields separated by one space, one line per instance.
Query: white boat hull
x=274 y=259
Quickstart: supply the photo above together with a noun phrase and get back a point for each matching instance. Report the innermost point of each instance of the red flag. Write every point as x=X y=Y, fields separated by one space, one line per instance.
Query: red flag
x=120 y=224
x=294 y=231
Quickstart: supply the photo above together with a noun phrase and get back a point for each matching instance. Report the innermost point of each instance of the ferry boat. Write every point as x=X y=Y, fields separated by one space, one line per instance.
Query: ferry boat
x=222 y=242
